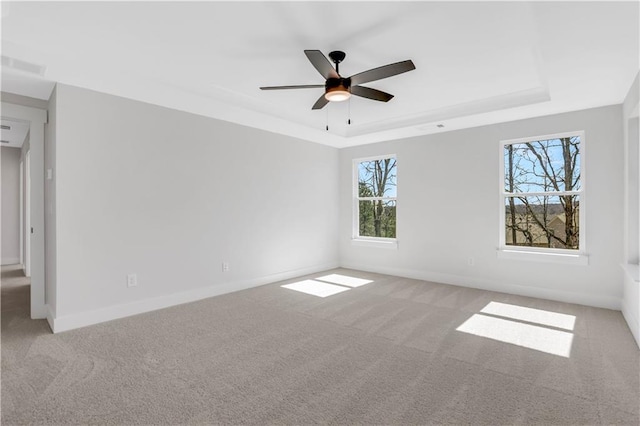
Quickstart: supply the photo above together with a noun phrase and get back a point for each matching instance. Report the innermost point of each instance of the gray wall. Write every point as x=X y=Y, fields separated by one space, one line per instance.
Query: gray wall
x=449 y=210
x=631 y=292
x=10 y=205
x=170 y=196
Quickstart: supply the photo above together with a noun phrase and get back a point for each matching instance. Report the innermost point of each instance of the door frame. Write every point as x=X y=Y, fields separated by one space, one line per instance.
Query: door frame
x=36 y=118
x=27 y=209
x=22 y=213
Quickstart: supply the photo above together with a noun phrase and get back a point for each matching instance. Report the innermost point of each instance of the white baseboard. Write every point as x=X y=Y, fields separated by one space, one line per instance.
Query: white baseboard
x=39 y=312
x=50 y=316
x=83 y=319
x=10 y=261
x=606 y=302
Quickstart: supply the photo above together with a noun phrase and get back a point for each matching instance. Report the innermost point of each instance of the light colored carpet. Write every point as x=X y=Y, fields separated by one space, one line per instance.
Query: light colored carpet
x=387 y=352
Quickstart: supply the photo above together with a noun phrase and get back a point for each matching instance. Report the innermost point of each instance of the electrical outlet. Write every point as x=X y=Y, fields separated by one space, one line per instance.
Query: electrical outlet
x=132 y=280
x=471 y=261
x=225 y=266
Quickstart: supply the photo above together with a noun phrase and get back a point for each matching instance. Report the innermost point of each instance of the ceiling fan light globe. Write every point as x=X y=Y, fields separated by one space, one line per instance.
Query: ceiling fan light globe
x=337 y=95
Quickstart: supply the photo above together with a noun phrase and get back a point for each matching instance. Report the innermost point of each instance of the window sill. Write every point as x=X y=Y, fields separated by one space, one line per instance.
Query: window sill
x=366 y=242
x=546 y=257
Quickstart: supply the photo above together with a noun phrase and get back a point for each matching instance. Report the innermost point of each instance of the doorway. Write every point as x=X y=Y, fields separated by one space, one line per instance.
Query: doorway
x=34 y=232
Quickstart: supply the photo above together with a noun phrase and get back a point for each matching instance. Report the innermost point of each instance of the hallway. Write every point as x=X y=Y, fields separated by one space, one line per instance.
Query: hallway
x=15 y=295
x=16 y=321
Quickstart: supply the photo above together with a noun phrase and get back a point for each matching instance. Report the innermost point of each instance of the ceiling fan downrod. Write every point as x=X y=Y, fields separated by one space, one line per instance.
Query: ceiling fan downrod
x=336 y=57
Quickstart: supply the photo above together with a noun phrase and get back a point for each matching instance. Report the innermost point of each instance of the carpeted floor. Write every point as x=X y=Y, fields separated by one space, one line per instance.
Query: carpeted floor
x=387 y=352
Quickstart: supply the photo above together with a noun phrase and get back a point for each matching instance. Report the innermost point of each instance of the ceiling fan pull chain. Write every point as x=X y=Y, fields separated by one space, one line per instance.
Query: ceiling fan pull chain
x=327 y=120
x=349 y=117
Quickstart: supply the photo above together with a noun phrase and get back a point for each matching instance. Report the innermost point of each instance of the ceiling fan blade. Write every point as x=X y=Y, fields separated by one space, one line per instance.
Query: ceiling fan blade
x=369 y=93
x=321 y=63
x=382 y=72
x=320 y=103
x=300 y=86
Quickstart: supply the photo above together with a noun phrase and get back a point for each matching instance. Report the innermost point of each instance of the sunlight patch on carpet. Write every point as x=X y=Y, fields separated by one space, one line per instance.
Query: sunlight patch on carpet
x=316 y=288
x=527 y=327
x=542 y=339
x=538 y=316
x=344 y=280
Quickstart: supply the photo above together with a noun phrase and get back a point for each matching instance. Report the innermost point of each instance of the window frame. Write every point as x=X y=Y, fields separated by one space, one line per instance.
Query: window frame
x=356 y=238
x=547 y=254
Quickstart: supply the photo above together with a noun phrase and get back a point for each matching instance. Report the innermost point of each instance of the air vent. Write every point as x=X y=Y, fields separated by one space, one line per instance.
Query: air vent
x=3 y=127
x=5 y=141
x=23 y=66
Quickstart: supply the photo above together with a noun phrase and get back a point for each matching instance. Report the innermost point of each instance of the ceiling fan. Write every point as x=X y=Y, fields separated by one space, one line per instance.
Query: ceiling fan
x=338 y=88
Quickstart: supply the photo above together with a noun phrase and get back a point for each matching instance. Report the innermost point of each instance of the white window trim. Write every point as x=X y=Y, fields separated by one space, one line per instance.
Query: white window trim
x=356 y=239
x=542 y=254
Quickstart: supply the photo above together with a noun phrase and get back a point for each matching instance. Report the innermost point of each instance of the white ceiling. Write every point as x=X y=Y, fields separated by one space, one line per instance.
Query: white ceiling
x=476 y=62
x=15 y=135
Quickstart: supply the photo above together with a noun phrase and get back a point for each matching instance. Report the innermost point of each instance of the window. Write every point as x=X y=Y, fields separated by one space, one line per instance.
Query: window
x=375 y=181
x=542 y=203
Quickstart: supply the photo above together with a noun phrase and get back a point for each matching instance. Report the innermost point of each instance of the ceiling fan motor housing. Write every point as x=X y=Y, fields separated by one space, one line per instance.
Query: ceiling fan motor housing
x=337 y=83
x=337 y=89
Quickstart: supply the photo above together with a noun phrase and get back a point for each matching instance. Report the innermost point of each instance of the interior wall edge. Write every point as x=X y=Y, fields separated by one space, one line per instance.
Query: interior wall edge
x=83 y=319
x=50 y=316
x=597 y=301
x=632 y=322
x=631 y=293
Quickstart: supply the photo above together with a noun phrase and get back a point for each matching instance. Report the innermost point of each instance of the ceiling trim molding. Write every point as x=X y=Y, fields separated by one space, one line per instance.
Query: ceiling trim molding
x=494 y=103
